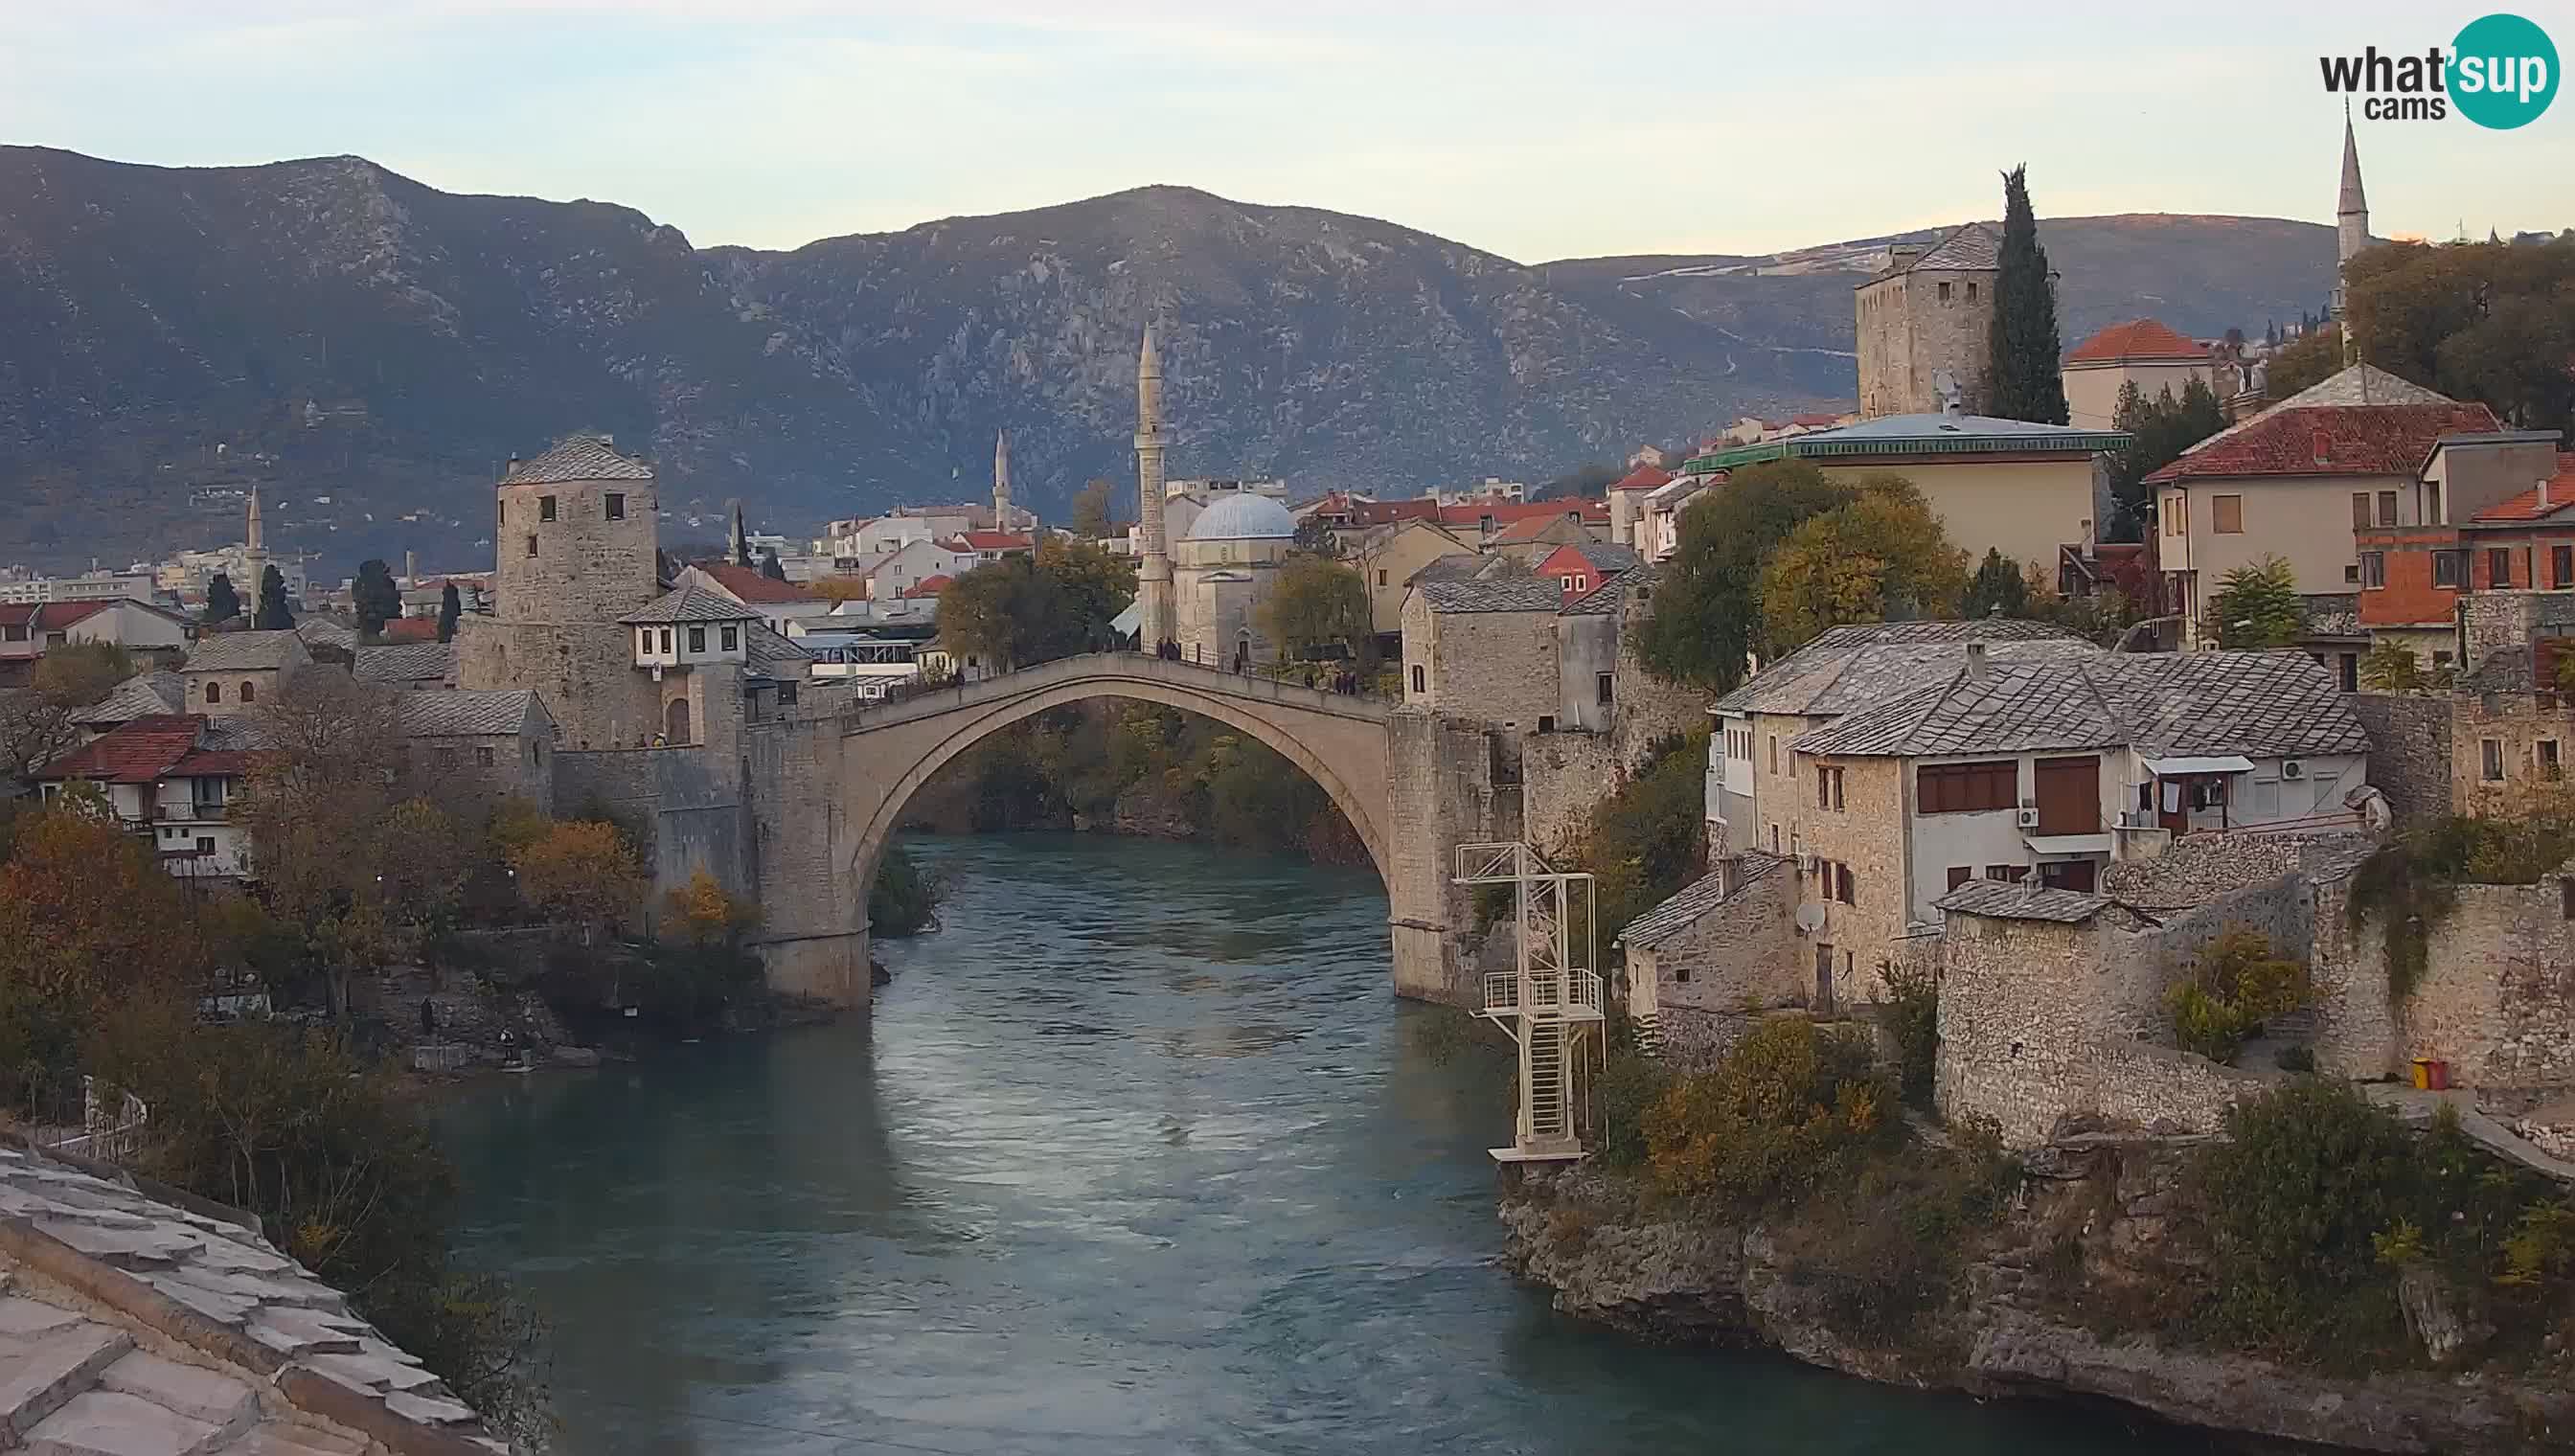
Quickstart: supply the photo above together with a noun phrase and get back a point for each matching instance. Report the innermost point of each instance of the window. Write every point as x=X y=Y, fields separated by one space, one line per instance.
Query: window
x=536 y=752
x=2432 y=505
x=1418 y=679
x=2387 y=508
x=1845 y=888
x=1565 y=584
x=787 y=694
x=2561 y=567
x=2360 y=511
x=615 y=505
x=2440 y=659
x=1944 y=293
x=2226 y=515
x=1604 y=687
x=2548 y=764
x=1775 y=838
x=732 y=638
x=644 y=640
x=2499 y=567
x=532 y=542
x=2373 y=568
x=1972 y=292
x=545 y=508
x=2490 y=756
x=214 y=692
x=1943 y=789
x=665 y=640
x=205 y=844
x=1829 y=786
x=1380 y=576
x=2007 y=873
x=2351 y=572
x=2445 y=569
x=1959 y=874
x=484 y=757
x=1547 y=722
x=248 y=691
x=697 y=638
x=443 y=756
x=1774 y=753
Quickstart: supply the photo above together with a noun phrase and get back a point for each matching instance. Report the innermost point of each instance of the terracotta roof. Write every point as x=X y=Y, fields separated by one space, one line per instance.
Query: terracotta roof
x=1816 y=422
x=1600 y=556
x=411 y=629
x=1644 y=477
x=2135 y=339
x=1534 y=528
x=50 y=616
x=2538 y=501
x=141 y=752
x=746 y=583
x=1506 y=513
x=929 y=586
x=212 y=764
x=995 y=541
x=2329 y=440
x=577 y=457
x=1382 y=513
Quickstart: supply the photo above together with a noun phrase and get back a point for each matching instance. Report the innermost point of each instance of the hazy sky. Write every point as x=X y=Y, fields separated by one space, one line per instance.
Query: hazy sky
x=1536 y=132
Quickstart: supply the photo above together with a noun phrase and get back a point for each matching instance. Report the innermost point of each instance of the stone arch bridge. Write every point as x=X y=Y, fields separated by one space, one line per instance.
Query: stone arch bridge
x=825 y=787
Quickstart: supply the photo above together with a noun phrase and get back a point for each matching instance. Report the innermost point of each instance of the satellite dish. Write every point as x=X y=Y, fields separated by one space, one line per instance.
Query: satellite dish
x=1810 y=918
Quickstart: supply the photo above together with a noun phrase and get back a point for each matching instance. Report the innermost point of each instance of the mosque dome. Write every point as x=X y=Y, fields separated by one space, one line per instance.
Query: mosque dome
x=1244 y=518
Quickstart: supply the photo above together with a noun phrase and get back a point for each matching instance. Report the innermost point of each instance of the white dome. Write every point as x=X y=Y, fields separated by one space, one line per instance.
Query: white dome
x=1244 y=518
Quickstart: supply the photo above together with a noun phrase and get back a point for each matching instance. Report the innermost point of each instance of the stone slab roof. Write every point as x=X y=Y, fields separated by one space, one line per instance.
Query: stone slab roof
x=145 y=694
x=1516 y=594
x=468 y=712
x=425 y=661
x=1972 y=246
x=772 y=656
x=323 y=632
x=1696 y=898
x=691 y=603
x=1994 y=898
x=2260 y=705
x=1611 y=595
x=103 y=1280
x=246 y=652
x=577 y=457
x=1849 y=667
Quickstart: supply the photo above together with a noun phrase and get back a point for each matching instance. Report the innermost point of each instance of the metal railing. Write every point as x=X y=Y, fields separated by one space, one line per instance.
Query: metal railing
x=108 y=1138
x=1575 y=995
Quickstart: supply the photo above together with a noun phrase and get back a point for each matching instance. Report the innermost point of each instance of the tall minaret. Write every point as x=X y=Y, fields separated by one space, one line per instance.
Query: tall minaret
x=254 y=553
x=1001 y=481
x=2351 y=229
x=1153 y=574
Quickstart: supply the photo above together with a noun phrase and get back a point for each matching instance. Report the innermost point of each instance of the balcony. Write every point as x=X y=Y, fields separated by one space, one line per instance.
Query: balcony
x=1571 y=995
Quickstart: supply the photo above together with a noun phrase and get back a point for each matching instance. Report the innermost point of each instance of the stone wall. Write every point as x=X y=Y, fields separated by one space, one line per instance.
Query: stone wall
x=1907 y=332
x=2409 y=749
x=683 y=799
x=1497 y=666
x=452 y=772
x=1737 y=957
x=1562 y=775
x=585 y=672
x=2517 y=724
x=2497 y=999
x=1442 y=792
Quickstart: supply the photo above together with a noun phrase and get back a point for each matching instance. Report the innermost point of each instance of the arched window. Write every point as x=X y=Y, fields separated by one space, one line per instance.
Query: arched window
x=675 y=723
x=250 y=691
x=214 y=692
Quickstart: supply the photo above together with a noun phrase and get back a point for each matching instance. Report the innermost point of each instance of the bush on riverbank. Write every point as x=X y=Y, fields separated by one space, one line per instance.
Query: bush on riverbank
x=905 y=899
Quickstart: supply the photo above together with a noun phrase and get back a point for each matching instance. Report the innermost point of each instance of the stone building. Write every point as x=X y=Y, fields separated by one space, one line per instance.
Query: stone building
x=1925 y=319
x=407 y=667
x=236 y=672
x=1738 y=913
x=480 y=747
x=2496 y=514
x=577 y=545
x=1484 y=649
x=1224 y=573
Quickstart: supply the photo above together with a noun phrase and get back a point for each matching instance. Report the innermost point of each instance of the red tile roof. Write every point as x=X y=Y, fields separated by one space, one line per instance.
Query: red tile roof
x=1532 y=527
x=50 y=616
x=212 y=764
x=2329 y=439
x=1384 y=513
x=2533 y=504
x=929 y=586
x=995 y=541
x=141 y=752
x=411 y=629
x=747 y=585
x=1504 y=513
x=1644 y=477
x=2135 y=339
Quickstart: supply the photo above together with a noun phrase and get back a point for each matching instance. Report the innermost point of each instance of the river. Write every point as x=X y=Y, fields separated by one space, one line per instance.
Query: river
x=1139 y=1155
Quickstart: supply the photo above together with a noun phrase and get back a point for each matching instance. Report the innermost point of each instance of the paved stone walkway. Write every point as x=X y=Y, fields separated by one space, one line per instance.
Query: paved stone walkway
x=2415 y=1105
x=135 y=1326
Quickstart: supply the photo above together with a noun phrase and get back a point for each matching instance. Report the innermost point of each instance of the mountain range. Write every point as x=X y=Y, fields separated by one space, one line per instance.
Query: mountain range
x=369 y=349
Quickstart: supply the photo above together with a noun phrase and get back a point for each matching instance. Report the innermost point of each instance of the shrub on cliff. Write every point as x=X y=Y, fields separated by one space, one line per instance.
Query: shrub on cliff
x=1788 y=1109
x=1911 y=1015
x=2237 y=985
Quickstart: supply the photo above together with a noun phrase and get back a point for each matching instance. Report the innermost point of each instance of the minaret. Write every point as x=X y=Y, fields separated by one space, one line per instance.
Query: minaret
x=2351 y=231
x=254 y=555
x=1153 y=574
x=741 y=543
x=1001 y=481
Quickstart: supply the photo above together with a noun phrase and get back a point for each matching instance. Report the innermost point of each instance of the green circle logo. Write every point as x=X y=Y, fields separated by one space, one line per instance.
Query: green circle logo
x=2503 y=72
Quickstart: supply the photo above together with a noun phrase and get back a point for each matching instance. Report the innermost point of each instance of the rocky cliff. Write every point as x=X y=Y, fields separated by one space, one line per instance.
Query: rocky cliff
x=370 y=350
x=2036 y=1310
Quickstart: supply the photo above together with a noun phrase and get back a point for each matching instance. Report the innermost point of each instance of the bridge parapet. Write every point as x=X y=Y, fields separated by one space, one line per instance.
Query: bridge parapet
x=865 y=717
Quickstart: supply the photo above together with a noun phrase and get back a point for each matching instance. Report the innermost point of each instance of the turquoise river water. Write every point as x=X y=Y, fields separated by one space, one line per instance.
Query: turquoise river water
x=1139 y=1154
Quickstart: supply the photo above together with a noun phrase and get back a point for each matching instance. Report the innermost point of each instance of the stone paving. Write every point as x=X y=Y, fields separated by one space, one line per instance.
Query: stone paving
x=135 y=1326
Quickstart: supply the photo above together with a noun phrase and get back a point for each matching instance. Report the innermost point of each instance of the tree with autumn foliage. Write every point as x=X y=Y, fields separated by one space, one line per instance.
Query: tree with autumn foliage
x=704 y=914
x=316 y=805
x=1881 y=557
x=581 y=871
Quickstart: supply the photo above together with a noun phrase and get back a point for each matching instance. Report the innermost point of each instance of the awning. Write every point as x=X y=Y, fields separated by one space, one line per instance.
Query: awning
x=2179 y=768
x=1125 y=623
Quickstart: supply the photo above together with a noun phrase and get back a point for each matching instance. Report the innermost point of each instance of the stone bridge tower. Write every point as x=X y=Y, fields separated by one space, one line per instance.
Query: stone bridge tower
x=575 y=552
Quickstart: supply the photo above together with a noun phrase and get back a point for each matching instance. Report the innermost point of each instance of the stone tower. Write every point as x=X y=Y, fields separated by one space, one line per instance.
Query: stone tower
x=254 y=555
x=1158 y=623
x=577 y=547
x=2351 y=229
x=1001 y=481
x=1928 y=312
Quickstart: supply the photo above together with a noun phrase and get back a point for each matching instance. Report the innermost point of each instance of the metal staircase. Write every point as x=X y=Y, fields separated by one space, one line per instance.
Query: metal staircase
x=1551 y=1000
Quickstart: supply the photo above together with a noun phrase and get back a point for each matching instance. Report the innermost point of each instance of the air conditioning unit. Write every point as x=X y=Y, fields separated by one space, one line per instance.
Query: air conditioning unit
x=2028 y=819
x=2292 y=768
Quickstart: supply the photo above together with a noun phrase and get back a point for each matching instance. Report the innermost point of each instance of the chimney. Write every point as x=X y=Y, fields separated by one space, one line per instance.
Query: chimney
x=1902 y=256
x=1975 y=662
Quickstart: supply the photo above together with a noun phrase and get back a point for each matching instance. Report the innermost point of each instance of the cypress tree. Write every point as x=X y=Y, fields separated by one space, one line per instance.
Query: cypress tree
x=2022 y=380
x=375 y=596
x=223 y=604
x=449 y=609
x=272 y=616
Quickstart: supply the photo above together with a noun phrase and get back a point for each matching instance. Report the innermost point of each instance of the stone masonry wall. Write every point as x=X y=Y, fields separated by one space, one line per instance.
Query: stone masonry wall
x=2497 y=999
x=1737 y=960
x=1562 y=775
x=684 y=801
x=2517 y=724
x=2409 y=749
x=585 y=672
x=1497 y=666
x=1442 y=793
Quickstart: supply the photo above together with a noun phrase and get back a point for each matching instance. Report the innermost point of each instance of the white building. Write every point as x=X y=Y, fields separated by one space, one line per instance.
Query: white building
x=171 y=778
x=136 y=586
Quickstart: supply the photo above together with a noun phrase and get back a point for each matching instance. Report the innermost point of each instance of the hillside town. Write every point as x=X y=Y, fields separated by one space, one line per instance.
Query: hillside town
x=2088 y=744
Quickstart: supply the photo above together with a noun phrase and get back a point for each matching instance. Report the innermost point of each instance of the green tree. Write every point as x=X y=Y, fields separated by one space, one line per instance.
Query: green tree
x=450 y=608
x=1316 y=601
x=223 y=604
x=2489 y=322
x=76 y=674
x=2022 y=377
x=2515 y=360
x=2302 y=364
x=2257 y=606
x=2392 y=666
x=1581 y=485
x=1024 y=609
x=1094 y=512
x=2158 y=431
x=1315 y=537
x=904 y=900
x=1997 y=589
x=273 y=614
x=377 y=599
x=1882 y=557
x=771 y=568
x=315 y=802
x=1097 y=585
x=1706 y=619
